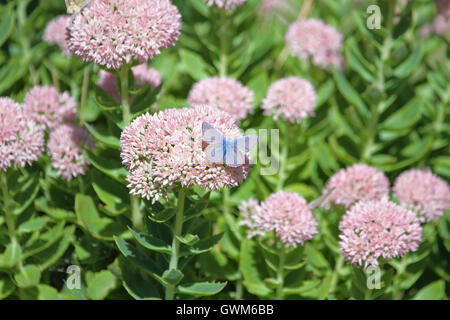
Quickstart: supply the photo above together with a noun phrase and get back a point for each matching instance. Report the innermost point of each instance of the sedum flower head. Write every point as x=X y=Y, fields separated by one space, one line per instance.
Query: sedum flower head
x=313 y=38
x=165 y=150
x=378 y=229
x=66 y=146
x=286 y=213
x=422 y=192
x=21 y=139
x=113 y=32
x=228 y=5
x=290 y=98
x=142 y=73
x=44 y=104
x=355 y=183
x=56 y=33
x=223 y=93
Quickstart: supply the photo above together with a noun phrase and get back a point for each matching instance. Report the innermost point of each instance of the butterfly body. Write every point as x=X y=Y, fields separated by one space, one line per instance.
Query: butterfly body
x=73 y=6
x=220 y=150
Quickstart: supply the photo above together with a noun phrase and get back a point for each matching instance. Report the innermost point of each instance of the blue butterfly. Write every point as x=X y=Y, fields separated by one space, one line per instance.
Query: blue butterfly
x=223 y=151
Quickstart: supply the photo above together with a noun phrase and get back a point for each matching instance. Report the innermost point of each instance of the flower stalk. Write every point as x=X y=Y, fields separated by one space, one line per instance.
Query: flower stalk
x=177 y=229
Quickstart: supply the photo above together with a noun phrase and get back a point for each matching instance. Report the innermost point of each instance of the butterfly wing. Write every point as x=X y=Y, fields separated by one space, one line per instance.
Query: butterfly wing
x=215 y=140
x=211 y=135
x=73 y=6
x=233 y=157
x=247 y=143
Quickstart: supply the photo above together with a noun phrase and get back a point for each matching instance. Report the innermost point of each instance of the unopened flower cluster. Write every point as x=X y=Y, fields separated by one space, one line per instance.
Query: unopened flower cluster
x=166 y=149
x=286 y=213
x=223 y=93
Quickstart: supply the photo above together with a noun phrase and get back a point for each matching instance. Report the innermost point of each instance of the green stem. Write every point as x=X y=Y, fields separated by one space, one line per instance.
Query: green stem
x=374 y=110
x=126 y=116
x=9 y=217
x=178 y=226
x=283 y=159
x=123 y=74
x=280 y=273
x=223 y=45
x=84 y=92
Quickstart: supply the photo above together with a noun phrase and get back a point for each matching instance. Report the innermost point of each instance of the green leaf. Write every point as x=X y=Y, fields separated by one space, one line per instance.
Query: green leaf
x=315 y=257
x=162 y=216
x=109 y=141
x=108 y=163
x=253 y=268
x=137 y=286
x=101 y=285
x=7 y=16
x=46 y=292
x=350 y=93
x=113 y=194
x=193 y=64
x=408 y=66
x=32 y=225
x=405 y=117
x=27 y=194
x=28 y=276
x=99 y=227
x=188 y=239
x=324 y=93
x=151 y=243
x=139 y=259
x=201 y=246
x=202 y=288
x=6 y=286
x=56 y=213
x=45 y=240
x=12 y=254
x=433 y=291
x=405 y=21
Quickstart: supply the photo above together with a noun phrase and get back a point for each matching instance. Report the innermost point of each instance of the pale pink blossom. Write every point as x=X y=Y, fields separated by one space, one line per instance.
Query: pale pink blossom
x=286 y=213
x=115 y=32
x=313 y=38
x=21 y=138
x=355 y=183
x=45 y=105
x=376 y=229
x=422 y=192
x=56 y=33
x=166 y=150
x=223 y=93
x=291 y=99
x=66 y=147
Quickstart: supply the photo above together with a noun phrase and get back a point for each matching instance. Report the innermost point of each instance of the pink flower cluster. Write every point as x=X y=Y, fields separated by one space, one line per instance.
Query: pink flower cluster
x=21 y=138
x=441 y=22
x=228 y=5
x=223 y=93
x=113 y=32
x=166 y=149
x=290 y=98
x=378 y=229
x=66 y=148
x=44 y=104
x=422 y=192
x=286 y=213
x=56 y=33
x=314 y=38
x=355 y=183
x=142 y=73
